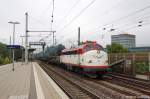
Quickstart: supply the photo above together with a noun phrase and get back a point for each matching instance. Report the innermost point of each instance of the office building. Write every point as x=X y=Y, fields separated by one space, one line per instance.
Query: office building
x=127 y=40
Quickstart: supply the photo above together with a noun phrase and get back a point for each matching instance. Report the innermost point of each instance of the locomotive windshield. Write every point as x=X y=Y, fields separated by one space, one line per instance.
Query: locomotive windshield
x=92 y=46
x=89 y=47
x=98 y=47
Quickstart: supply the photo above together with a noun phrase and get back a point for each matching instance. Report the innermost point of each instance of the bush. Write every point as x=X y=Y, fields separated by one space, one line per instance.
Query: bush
x=142 y=67
x=5 y=60
x=116 y=48
x=1 y=61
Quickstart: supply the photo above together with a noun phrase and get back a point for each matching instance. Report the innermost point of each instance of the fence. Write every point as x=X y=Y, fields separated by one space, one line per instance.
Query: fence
x=133 y=63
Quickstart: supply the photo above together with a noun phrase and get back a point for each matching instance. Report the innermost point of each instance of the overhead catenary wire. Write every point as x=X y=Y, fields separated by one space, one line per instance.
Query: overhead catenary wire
x=141 y=20
x=105 y=12
x=75 y=6
x=121 y=18
x=52 y=20
x=137 y=26
x=125 y=17
x=125 y=30
x=38 y=21
x=69 y=12
x=112 y=22
x=84 y=9
x=75 y=16
x=127 y=27
x=129 y=23
x=129 y=15
x=52 y=16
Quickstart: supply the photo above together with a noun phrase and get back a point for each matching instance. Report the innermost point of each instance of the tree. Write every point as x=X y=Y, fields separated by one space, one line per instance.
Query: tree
x=116 y=48
x=4 y=54
x=53 y=51
x=3 y=50
x=60 y=48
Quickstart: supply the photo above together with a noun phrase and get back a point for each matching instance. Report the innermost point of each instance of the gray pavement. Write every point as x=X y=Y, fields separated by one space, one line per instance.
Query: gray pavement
x=49 y=88
x=15 y=84
x=27 y=82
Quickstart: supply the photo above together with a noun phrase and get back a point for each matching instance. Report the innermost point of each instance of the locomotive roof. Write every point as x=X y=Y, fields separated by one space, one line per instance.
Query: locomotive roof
x=73 y=49
x=78 y=47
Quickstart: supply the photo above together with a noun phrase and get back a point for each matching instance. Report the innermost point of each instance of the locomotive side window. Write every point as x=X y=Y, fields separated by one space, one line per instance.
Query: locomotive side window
x=69 y=52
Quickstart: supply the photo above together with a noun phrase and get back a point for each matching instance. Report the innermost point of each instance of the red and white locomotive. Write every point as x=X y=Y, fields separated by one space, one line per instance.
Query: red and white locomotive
x=89 y=58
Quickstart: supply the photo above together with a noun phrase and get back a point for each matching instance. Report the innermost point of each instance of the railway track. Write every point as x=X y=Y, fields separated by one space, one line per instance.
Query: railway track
x=136 y=84
x=118 y=88
x=78 y=87
x=70 y=88
x=131 y=79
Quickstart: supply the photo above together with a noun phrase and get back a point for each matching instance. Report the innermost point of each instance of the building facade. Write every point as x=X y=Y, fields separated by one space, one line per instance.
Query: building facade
x=127 y=40
x=139 y=49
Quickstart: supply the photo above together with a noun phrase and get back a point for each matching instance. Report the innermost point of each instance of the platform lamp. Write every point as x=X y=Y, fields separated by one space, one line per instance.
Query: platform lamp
x=14 y=23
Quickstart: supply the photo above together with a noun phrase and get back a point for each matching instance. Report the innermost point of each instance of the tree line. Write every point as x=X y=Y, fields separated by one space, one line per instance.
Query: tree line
x=6 y=54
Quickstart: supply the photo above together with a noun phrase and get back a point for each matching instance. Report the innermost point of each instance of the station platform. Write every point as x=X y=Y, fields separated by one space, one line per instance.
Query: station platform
x=27 y=81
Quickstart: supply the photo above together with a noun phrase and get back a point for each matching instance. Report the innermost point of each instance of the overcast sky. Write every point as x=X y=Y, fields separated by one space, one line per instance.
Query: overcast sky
x=69 y=15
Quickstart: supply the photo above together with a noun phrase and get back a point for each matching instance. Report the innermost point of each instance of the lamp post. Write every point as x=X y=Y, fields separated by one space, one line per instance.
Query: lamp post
x=22 y=49
x=14 y=23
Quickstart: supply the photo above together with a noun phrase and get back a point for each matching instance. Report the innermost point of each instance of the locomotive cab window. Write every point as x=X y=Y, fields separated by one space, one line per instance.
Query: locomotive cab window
x=89 y=47
x=98 y=47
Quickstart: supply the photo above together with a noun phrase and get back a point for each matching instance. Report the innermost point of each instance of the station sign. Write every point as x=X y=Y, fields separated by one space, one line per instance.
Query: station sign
x=13 y=46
